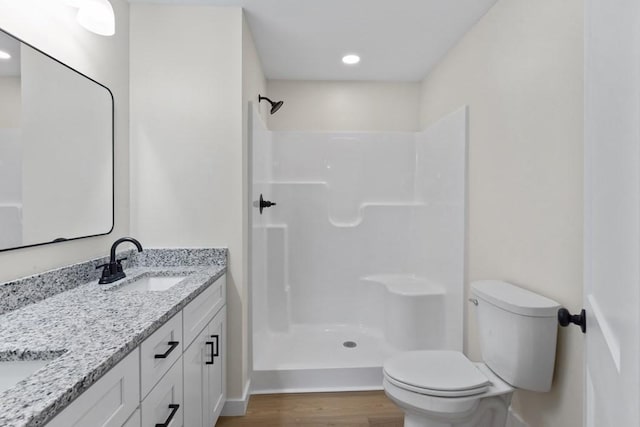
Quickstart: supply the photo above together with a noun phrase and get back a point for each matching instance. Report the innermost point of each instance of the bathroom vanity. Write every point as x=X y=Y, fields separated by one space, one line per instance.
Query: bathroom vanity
x=146 y=350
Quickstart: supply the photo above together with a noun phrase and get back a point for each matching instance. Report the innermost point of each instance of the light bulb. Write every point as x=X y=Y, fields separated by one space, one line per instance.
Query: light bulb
x=97 y=16
x=351 y=59
x=74 y=3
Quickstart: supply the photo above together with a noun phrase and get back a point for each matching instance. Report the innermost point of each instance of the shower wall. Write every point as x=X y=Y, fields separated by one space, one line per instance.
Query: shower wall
x=361 y=219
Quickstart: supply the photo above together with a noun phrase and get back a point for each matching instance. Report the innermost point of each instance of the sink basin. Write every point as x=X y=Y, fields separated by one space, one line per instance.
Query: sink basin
x=152 y=283
x=13 y=371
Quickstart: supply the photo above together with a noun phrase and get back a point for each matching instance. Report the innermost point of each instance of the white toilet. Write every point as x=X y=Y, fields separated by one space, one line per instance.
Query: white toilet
x=518 y=330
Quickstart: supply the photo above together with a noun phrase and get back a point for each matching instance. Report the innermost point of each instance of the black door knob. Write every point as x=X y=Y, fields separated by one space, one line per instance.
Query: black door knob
x=265 y=204
x=565 y=318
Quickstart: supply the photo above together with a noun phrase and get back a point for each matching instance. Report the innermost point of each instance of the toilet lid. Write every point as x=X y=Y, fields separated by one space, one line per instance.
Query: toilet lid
x=437 y=373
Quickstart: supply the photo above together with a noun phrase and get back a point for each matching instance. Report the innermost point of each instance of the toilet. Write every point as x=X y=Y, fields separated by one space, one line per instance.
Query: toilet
x=518 y=331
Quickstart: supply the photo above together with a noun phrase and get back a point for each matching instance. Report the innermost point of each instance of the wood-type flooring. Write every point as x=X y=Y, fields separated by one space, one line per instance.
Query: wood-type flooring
x=353 y=409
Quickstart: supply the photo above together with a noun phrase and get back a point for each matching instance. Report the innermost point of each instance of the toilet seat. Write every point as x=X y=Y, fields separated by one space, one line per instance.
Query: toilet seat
x=436 y=373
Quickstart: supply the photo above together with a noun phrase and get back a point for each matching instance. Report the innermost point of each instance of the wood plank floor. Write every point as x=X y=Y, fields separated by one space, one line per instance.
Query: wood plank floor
x=353 y=409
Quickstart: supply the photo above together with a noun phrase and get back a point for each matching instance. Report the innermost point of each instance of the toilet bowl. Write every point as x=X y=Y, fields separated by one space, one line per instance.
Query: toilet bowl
x=442 y=388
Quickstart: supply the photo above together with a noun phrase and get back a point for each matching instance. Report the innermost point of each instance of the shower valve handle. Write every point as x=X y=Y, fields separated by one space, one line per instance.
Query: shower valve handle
x=265 y=204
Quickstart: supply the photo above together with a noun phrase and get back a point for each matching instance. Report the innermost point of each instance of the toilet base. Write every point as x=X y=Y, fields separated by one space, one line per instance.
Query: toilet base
x=491 y=412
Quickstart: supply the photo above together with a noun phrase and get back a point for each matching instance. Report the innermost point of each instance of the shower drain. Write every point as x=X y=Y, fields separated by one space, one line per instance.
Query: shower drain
x=350 y=344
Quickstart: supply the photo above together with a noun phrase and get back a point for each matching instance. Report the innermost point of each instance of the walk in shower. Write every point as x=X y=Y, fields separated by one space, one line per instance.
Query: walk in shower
x=362 y=255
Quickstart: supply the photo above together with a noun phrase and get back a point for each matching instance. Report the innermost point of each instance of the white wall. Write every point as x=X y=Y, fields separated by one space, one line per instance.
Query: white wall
x=189 y=142
x=10 y=163
x=520 y=70
x=345 y=106
x=10 y=102
x=51 y=26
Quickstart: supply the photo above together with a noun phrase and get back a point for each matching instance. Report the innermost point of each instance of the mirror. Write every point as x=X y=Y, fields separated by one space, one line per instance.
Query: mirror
x=56 y=150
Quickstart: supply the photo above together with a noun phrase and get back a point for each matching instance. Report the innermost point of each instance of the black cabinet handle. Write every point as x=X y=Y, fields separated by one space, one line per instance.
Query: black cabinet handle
x=173 y=345
x=217 y=338
x=213 y=355
x=174 y=409
x=215 y=347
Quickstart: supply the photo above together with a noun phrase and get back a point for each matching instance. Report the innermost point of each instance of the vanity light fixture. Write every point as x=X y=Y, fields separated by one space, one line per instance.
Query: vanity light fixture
x=95 y=15
x=351 y=59
x=73 y=3
x=4 y=55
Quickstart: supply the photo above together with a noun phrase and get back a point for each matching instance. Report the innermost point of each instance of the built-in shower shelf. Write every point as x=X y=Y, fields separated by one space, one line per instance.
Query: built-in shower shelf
x=298 y=183
x=369 y=206
x=407 y=284
x=411 y=300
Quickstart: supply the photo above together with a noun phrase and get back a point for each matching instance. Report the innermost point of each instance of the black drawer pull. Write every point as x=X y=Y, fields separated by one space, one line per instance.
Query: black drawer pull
x=210 y=362
x=173 y=345
x=174 y=409
x=217 y=352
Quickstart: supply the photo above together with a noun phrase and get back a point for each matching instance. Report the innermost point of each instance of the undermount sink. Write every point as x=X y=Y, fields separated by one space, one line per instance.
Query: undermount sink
x=152 y=283
x=14 y=371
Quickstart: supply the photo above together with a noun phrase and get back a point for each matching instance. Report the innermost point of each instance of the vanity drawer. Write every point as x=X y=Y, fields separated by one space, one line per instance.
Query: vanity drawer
x=107 y=403
x=165 y=402
x=199 y=312
x=159 y=352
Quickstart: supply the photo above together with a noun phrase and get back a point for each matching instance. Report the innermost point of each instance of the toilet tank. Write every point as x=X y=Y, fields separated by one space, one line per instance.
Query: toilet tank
x=518 y=330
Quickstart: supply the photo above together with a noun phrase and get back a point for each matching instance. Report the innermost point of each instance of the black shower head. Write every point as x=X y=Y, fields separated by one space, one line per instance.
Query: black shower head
x=275 y=106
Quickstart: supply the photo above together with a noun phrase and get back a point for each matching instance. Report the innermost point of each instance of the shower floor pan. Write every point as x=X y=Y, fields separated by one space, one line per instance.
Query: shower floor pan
x=314 y=358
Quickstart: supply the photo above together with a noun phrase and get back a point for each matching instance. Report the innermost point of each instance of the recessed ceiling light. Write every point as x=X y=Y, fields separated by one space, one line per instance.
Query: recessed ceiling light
x=4 y=55
x=351 y=59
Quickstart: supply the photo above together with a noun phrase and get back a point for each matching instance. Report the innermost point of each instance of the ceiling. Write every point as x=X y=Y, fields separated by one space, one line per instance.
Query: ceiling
x=398 y=40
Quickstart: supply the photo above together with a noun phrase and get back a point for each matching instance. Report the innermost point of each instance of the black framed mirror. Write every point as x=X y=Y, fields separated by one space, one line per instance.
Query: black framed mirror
x=56 y=150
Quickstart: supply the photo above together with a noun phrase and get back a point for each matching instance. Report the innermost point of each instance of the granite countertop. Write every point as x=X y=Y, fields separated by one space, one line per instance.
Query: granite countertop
x=88 y=329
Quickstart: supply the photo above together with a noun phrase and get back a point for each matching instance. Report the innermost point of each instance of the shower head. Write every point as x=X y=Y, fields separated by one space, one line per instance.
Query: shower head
x=275 y=106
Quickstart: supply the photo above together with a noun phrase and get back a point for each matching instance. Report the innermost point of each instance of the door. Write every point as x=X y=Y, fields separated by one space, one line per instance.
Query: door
x=612 y=212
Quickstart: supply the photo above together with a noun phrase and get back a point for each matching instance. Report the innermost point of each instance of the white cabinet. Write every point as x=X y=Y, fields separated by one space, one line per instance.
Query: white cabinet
x=107 y=403
x=196 y=389
x=217 y=375
x=134 y=420
x=164 y=404
x=159 y=385
x=199 y=312
x=205 y=374
x=159 y=352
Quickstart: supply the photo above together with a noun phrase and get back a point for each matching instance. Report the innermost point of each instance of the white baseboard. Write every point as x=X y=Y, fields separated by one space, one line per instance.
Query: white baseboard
x=514 y=420
x=237 y=407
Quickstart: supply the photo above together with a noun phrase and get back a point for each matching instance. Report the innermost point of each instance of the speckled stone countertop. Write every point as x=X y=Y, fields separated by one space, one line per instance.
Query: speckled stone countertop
x=87 y=329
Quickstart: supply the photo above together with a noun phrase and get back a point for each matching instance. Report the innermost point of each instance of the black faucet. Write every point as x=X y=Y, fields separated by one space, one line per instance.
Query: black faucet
x=113 y=269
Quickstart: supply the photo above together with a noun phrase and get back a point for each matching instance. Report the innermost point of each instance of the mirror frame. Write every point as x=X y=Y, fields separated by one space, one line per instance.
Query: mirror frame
x=113 y=152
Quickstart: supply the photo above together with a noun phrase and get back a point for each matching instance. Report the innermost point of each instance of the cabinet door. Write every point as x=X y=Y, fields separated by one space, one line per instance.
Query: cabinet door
x=196 y=388
x=217 y=333
x=107 y=403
